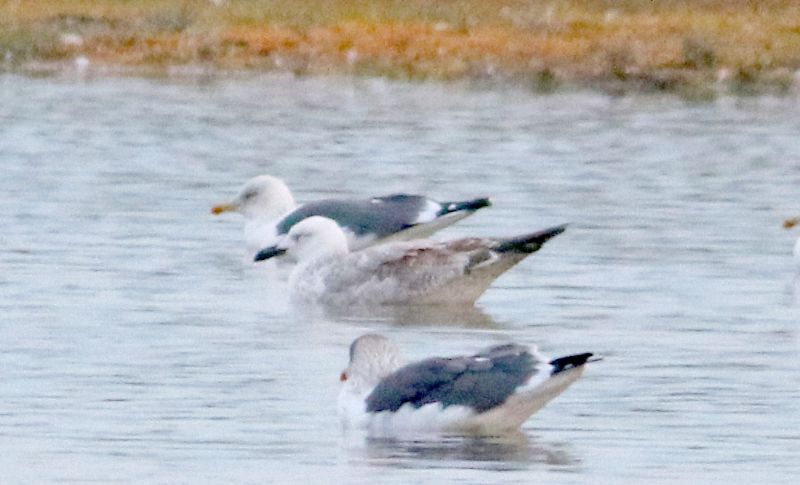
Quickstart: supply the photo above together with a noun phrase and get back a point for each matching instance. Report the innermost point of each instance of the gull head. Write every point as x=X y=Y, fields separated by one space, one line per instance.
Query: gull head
x=310 y=238
x=262 y=197
x=788 y=224
x=372 y=357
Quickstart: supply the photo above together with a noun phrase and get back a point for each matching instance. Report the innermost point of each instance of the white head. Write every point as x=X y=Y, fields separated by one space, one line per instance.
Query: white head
x=262 y=197
x=310 y=238
x=788 y=224
x=372 y=357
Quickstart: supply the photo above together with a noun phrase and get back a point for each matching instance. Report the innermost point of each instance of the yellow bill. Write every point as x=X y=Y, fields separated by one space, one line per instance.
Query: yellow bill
x=226 y=207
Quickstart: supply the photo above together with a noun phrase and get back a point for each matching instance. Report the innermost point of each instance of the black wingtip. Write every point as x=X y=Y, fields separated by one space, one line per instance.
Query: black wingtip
x=569 y=362
x=529 y=243
x=465 y=205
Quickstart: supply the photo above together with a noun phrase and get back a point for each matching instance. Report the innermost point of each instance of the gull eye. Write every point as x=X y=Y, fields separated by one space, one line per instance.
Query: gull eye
x=343 y=377
x=248 y=195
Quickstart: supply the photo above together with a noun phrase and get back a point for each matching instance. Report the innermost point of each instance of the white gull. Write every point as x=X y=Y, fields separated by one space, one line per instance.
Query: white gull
x=788 y=224
x=420 y=271
x=495 y=390
x=270 y=211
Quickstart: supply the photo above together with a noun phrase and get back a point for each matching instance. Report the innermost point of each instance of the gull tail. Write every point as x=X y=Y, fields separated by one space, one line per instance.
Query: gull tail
x=529 y=243
x=569 y=362
x=464 y=205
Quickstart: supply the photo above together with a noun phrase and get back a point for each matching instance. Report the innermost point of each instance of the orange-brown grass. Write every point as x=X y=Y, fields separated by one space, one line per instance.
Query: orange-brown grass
x=658 y=44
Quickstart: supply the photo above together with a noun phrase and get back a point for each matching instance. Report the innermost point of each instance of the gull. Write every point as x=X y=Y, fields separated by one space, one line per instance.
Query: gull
x=262 y=201
x=419 y=271
x=495 y=390
x=270 y=211
x=788 y=224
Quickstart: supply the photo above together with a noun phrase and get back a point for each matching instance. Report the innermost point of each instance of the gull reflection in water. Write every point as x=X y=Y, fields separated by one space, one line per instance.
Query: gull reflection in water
x=511 y=451
x=464 y=316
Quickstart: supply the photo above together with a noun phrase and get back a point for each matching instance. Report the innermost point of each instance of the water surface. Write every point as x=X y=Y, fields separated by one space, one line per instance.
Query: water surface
x=135 y=345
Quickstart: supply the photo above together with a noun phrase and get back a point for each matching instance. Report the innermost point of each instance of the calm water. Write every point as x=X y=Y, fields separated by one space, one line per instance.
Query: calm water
x=136 y=347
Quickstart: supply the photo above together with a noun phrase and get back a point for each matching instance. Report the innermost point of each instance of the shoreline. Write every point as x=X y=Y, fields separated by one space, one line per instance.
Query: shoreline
x=698 y=49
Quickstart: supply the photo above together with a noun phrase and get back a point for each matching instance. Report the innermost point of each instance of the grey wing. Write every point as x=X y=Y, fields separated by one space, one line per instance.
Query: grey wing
x=382 y=216
x=480 y=382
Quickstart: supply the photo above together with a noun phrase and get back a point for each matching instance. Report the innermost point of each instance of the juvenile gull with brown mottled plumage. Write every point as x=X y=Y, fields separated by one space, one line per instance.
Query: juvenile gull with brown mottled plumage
x=419 y=271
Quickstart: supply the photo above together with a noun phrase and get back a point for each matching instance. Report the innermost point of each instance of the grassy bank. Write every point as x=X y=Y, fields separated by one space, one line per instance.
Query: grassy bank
x=690 y=45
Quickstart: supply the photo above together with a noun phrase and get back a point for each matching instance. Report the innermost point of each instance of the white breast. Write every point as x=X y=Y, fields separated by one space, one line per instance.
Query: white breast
x=428 y=418
x=797 y=252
